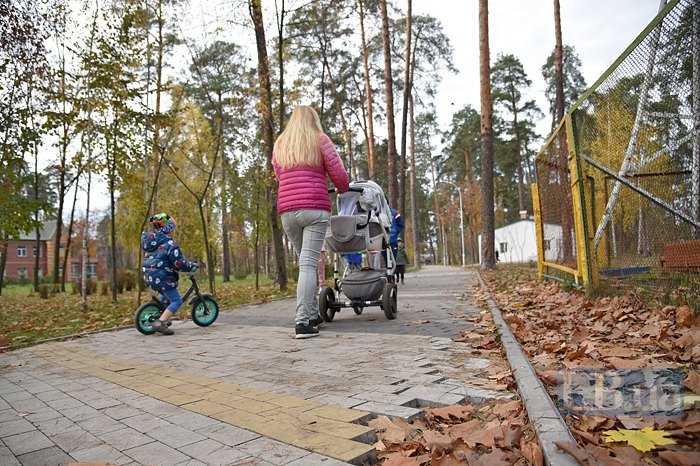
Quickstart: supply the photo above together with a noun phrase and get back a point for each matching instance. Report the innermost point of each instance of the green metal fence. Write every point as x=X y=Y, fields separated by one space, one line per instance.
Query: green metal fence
x=633 y=145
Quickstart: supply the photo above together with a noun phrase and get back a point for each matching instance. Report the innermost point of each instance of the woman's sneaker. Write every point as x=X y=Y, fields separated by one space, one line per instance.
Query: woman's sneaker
x=316 y=322
x=162 y=327
x=305 y=331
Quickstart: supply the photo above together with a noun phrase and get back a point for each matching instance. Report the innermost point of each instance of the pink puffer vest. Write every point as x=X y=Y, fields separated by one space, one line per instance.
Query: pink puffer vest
x=305 y=187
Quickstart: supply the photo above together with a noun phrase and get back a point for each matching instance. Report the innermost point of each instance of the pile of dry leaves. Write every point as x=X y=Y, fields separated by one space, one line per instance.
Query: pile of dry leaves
x=562 y=329
x=495 y=434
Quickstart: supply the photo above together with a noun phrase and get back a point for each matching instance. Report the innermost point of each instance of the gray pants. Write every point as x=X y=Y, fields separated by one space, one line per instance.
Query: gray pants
x=306 y=229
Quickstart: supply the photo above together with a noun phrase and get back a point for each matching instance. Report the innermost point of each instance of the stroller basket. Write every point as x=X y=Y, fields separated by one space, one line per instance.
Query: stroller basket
x=365 y=285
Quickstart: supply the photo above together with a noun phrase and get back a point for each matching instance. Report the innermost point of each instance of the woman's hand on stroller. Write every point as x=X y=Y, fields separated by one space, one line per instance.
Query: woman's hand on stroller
x=351 y=189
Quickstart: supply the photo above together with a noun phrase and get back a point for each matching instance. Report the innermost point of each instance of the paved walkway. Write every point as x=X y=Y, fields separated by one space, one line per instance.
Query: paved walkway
x=242 y=392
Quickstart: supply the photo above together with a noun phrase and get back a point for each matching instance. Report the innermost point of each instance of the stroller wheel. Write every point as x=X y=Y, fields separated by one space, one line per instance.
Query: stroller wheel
x=389 y=301
x=358 y=310
x=326 y=304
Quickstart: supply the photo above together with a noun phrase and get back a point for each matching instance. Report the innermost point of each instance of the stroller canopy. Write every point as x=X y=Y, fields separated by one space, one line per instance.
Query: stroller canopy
x=371 y=200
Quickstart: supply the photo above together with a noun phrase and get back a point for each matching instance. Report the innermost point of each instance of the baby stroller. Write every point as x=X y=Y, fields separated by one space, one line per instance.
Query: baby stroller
x=361 y=227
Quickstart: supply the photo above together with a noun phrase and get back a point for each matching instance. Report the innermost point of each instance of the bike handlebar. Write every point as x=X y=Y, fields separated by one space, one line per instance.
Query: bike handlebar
x=351 y=189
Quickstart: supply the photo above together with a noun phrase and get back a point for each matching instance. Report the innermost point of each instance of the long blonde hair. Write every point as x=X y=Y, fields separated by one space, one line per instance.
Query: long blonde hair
x=298 y=145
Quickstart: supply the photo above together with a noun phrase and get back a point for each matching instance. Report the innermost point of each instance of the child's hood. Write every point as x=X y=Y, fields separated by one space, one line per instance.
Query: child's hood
x=150 y=241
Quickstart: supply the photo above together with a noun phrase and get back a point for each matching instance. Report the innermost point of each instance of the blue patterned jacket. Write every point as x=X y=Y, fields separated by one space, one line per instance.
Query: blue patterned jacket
x=163 y=261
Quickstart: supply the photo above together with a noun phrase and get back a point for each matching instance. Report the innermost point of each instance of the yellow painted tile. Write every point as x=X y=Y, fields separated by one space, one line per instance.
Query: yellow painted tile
x=246 y=404
x=243 y=419
x=179 y=399
x=337 y=413
x=226 y=387
x=341 y=449
x=167 y=382
x=192 y=389
x=206 y=407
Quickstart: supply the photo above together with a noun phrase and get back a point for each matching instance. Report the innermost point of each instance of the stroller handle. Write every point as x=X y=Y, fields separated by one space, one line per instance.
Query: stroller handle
x=351 y=189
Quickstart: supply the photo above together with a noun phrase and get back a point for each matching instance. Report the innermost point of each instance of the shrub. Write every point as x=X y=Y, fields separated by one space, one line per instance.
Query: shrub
x=129 y=279
x=43 y=291
x=55 y=288
x=240 y=274
x=91 y=286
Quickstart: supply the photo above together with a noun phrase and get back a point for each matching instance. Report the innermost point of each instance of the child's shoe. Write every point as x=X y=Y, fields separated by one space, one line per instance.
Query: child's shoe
x=162 y=327
x=305 y=331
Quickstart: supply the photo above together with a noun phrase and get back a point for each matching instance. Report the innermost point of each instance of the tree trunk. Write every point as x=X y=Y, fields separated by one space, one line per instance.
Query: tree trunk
x=37 y=242
x=518 y=158
x=226 y=250
x=86 y=232
x=66 y=253
x=368 y=94
x=3 y=262
x=112 y=236
x=566 y=219
x=207 y=249
x=487 y=215
x=159 y=83
x=414 y=209
x=280 y=59
x=404 y=116
x=389 y=90
x=267 y=130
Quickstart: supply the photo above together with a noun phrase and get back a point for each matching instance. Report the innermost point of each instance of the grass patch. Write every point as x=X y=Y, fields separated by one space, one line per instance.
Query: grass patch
x=26 y=318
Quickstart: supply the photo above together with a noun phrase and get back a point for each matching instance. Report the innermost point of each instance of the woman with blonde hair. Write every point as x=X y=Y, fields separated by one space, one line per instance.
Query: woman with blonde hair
x=303 y=157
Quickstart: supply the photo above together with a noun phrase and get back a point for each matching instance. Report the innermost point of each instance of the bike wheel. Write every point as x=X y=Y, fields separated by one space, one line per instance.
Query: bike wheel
x=389 y=305
x=145 y=315
x=326 y=301
x=205 y=311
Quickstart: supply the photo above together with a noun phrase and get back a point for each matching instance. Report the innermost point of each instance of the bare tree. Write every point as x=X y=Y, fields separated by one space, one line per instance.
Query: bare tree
x=389 y=90
x=368 y=93
x=487 y=215
x=265 y=109
x=408 y=84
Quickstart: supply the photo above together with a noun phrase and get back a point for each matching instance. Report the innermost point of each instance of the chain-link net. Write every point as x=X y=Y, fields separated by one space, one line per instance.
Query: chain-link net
x=637 y=138
x=554 y=181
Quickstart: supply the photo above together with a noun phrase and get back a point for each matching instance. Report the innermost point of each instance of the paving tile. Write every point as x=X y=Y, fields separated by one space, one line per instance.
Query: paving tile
x=52 y=456
x=27 y=442
x=9 y=415
x=56 y=426
x=7 y=458
x=43 y=415
x=340 y=414
x=125 y=439
x=156 y=454
x=16 y=396
x=3 y=403
x=175 y=436
x=390 y=410
x=64 y=403
x=15 y=427
x=80 y=413
x=272 y=451
x=100 y=424
x=206 y=407
x=190 y=420
x=101 y=454
x=252 y=461
x=75 y=439
x=121 y=411
x=145 y=422
x=228 y=435
x=315 y=459
x=29 y=405
x=213 y=453
x=102 y=403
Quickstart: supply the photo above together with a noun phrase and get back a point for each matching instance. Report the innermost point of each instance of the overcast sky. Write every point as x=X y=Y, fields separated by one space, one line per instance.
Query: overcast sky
x=598 y=29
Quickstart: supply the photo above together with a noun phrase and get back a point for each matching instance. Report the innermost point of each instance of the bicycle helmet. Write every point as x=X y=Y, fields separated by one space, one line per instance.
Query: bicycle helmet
x=163 y=223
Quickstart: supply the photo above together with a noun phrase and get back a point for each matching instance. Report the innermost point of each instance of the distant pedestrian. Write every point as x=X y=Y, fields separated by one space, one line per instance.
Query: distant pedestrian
x=303 y=158
x=401 y=261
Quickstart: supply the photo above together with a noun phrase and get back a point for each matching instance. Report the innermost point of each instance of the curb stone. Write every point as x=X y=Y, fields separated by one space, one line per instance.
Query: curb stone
x=544 y=416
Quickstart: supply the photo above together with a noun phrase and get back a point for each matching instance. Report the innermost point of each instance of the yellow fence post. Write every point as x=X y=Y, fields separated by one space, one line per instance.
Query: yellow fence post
x=583 y=253
x=539 y=229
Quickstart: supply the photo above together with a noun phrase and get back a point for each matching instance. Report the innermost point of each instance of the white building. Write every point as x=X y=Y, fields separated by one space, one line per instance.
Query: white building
x=517 y=242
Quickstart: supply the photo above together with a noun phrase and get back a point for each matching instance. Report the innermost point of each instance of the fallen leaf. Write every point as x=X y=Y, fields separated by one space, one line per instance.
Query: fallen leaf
x=680 y=458
x=456 y=412
x=532 y=452
x=399 y=460
x=387 y=431
x=692 y=381
x=436 y=442
x=684 y=316
x=643 y=439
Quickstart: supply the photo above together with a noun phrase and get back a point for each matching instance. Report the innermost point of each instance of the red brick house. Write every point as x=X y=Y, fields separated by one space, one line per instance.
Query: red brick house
x=22 y=251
